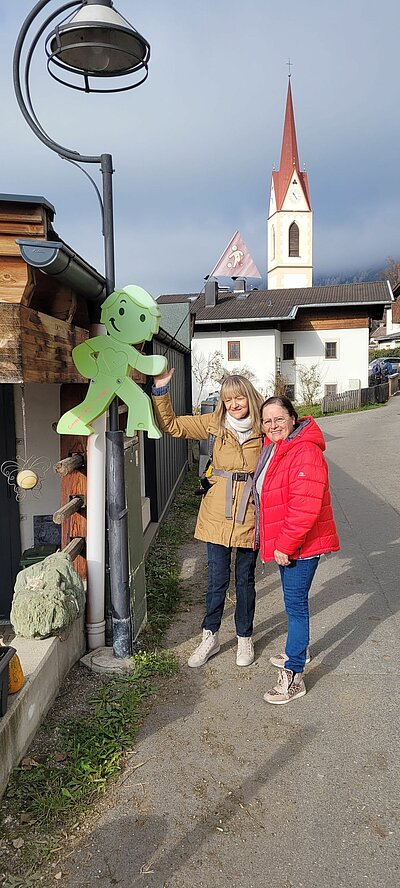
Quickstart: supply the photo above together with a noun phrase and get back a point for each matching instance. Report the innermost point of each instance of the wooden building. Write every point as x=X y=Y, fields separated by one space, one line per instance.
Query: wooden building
x=49 y=297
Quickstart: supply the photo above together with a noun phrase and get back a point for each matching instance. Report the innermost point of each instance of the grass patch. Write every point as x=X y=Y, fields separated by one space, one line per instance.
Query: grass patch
x=164 y=593
x=46 y=794
x=315 y=410
x=72 y=760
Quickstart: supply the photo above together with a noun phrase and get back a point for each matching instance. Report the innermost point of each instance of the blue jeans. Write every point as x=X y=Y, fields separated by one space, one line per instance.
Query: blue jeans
x=219 y=574
x=296 y=581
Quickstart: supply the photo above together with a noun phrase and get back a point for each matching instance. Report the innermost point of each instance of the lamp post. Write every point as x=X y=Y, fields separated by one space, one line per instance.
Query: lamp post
x=84 y=51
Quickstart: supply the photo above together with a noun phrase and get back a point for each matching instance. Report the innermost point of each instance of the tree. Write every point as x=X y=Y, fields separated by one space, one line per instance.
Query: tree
x=391 y=272
x=277 y=385
x=204 y=371
x=310 y=381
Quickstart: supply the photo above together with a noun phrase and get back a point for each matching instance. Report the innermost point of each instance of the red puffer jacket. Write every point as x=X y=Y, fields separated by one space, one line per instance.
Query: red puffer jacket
x=295 y=510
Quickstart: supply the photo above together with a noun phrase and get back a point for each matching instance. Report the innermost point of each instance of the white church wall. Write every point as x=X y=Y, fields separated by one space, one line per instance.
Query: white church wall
x=42 y=408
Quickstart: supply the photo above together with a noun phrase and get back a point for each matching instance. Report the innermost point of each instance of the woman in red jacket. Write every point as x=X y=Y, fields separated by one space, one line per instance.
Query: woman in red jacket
x=295 y=526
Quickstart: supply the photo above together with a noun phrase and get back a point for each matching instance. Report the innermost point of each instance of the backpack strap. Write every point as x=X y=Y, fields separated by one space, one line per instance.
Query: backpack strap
x=210 y=445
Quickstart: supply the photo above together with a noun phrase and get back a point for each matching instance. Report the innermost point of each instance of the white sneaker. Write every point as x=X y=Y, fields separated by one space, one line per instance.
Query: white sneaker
x=279 y=660
x=245 y=651
x=209 y=646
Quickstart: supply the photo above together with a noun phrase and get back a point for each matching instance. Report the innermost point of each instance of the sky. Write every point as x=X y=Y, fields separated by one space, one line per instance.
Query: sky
x=194 y=147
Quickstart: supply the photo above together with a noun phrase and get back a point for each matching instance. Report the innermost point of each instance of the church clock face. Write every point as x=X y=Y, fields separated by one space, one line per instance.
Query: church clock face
x=294 y=194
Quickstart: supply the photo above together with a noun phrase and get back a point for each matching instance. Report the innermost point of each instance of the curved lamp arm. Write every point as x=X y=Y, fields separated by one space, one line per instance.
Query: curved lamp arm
x=26 y=106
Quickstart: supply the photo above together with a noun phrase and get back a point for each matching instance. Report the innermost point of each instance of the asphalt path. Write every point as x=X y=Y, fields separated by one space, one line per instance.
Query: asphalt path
x=224 y=789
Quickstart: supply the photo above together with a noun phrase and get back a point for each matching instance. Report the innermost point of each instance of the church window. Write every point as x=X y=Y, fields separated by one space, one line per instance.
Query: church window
x=234 y=351
x=273 y=242
x=294 y=239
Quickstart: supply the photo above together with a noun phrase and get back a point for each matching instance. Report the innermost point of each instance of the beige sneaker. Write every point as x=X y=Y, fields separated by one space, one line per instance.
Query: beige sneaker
x=210 y=645
x=280 y=659
x=290 y=686
x=245 y=651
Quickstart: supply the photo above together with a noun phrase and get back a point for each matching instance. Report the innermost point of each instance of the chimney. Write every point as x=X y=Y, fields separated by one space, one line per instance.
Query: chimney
x=239 y=288
x=211 y=294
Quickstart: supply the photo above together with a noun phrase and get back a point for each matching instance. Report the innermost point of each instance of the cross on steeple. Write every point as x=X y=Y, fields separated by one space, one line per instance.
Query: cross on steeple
x=290 y=65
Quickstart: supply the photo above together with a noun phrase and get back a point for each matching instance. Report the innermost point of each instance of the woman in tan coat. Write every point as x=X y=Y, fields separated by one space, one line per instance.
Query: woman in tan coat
x=226 y=517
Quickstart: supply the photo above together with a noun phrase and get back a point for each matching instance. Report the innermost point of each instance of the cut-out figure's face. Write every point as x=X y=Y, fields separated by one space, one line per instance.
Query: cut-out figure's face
x=128 y=318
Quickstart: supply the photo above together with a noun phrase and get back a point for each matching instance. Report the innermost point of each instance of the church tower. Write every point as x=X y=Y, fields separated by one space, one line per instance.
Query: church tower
x=290 y=215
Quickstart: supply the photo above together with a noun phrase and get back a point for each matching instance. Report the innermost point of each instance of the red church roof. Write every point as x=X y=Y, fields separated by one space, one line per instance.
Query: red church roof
x=289 y=162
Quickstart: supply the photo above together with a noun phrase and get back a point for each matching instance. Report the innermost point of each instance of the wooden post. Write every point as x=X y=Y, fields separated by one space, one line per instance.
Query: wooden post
x=72 y=506
x=69 y=464
x=74 y=548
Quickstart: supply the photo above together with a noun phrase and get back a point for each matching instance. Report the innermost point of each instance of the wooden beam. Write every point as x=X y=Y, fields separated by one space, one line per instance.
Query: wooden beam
x=73 y=505
x=74 y=548
x=35 y=347
x=69 y=464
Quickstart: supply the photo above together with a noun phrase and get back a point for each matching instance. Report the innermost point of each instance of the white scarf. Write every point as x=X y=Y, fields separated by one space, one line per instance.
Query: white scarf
x=241 y=428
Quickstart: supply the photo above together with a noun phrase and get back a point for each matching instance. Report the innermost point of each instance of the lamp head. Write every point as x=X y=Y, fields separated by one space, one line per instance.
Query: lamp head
x=97 y=42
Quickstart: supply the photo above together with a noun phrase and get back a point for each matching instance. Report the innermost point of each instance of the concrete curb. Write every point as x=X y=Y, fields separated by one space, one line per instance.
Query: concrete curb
x=45 y=663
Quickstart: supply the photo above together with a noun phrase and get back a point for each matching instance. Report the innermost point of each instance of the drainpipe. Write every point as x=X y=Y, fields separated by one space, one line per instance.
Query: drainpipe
x=95 y=532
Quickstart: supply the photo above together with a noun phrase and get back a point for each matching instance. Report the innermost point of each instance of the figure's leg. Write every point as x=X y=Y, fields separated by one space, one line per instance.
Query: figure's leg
x=140 y=411
x=77 y=420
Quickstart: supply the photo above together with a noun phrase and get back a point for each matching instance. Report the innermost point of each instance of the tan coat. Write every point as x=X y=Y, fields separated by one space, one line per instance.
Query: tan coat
x=212 y=525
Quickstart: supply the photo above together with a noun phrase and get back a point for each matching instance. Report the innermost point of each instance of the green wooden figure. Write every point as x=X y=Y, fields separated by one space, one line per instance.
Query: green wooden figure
x=130 y=316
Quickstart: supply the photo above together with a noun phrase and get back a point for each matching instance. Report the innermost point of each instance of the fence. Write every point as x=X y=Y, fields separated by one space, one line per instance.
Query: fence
x=374 y=394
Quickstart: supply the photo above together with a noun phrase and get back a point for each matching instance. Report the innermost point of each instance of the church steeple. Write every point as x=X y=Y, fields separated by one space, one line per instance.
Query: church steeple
x=290 y=215
x=289 y=152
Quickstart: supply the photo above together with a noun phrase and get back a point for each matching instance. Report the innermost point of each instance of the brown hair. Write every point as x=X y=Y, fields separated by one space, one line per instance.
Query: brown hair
x=284 y=402
x=239 y=386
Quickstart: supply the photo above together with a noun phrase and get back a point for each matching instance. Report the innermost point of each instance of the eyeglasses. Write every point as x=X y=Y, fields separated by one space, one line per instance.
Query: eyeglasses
x=280 y=420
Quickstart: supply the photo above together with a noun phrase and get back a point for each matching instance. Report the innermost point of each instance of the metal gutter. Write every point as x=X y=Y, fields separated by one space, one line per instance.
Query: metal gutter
x=58 y=260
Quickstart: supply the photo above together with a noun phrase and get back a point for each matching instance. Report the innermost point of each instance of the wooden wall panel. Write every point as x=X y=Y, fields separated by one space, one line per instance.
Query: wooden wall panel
x=35 y=347
x=14 y=277
x=326 y=323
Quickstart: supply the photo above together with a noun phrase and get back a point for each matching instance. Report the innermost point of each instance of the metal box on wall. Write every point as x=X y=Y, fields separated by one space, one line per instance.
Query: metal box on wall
x=137 y=582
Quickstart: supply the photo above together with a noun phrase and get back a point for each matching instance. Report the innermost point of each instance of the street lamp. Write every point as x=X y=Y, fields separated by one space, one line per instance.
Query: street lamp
x=96 y=42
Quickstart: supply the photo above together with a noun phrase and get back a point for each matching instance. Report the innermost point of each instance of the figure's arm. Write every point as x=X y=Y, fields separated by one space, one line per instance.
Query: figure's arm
x=84 y=359
x=151 y=365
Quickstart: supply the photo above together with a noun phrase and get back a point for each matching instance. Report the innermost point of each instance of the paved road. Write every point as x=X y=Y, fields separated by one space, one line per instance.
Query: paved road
x=300 y=796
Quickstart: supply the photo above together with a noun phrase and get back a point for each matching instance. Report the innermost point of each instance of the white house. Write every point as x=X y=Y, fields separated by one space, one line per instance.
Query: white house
x=288 y=331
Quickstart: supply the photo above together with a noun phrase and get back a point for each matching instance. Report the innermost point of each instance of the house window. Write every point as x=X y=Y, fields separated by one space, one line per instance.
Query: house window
x=294 y=240
x=288 y=351
x=331 y=389
x=234 y=351
x=289 y=391
x=330 y=350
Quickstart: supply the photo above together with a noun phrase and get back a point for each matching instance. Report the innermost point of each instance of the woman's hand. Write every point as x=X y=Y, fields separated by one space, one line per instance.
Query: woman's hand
x=165 y=379
x=281 y=559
